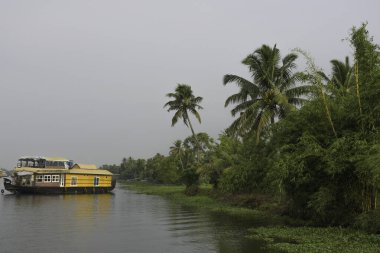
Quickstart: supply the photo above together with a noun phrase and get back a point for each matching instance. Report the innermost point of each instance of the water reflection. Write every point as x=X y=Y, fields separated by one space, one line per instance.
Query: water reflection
x=119 y=222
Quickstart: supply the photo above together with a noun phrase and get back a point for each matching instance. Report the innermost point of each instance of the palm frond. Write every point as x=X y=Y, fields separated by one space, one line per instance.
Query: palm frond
x=177 y=116
x=263 y=122
x=196 y=114
x=236 y=98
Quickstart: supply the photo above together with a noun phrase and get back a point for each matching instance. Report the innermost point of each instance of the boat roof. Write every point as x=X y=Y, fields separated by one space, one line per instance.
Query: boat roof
x=89 y=171
x=64 y=171
x=49 y=158
x=85 y=166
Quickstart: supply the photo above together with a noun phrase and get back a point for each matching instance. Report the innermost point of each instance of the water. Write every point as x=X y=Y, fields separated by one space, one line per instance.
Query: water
x=120 y=222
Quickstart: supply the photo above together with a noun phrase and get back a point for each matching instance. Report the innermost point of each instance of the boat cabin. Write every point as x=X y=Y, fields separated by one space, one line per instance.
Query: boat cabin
x=58 y=175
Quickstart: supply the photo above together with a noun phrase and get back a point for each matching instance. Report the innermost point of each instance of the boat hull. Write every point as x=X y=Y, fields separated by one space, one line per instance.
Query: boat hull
x=56 y=190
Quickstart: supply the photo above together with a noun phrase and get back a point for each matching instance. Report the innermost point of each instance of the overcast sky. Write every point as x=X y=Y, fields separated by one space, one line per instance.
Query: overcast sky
x=86 y=79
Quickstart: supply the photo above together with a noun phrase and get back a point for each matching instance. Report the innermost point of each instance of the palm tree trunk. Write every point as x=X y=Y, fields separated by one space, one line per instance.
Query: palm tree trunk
x=180 y=160
x=328 y=113
x=194 y=135
x=358 y=91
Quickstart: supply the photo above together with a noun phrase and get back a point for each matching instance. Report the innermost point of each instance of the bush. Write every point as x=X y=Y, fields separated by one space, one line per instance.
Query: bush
x=369 y=221
x=190 y=177
x=192 y=190
x=237 y=180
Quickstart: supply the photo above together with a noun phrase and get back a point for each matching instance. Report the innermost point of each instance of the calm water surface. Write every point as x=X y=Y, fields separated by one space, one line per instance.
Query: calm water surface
x=120 y=222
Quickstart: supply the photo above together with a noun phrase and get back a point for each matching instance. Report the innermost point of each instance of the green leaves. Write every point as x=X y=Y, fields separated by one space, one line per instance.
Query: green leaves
x=183 y=102
x=272 y=93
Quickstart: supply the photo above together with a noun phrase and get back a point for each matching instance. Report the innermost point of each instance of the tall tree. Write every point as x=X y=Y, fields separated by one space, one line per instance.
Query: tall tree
x=183 y=103
x=269 y=96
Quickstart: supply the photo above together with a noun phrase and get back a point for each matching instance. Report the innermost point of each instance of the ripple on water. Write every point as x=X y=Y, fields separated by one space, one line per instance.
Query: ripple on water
x=119 y=222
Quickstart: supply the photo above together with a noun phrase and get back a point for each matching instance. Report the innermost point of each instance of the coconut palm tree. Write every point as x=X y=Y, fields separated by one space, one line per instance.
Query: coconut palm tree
x=177 y=151
x=342 y=75
x=183 y=103
x=272 y=92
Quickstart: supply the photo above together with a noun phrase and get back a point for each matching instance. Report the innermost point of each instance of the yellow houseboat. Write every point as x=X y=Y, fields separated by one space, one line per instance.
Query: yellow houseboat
x=58 y=175
x=2 y=174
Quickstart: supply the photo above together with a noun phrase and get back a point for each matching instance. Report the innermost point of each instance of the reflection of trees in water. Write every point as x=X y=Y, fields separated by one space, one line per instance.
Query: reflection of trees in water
x=219 y=232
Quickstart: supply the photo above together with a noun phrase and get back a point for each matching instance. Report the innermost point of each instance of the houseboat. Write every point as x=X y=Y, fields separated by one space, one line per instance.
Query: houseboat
x=2 y=173
x=58 y=175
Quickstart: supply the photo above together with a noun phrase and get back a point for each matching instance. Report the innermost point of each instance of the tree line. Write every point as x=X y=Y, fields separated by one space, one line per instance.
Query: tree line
x=309 y=139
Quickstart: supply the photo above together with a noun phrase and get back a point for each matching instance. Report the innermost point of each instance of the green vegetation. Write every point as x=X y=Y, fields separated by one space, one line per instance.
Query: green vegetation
x=272 y=94
x=278 y=237
x=317 y=240
x=207 y=200
x=307 y=141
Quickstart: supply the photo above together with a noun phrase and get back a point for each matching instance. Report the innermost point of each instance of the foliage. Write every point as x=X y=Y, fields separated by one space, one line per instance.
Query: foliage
x=319 y=148
x=330 y=176
x=317 y=240
x=236 y=180
x=272 y=93
x=204 y=199
x=162 y=169
x=183 y=103
x=221 y=156
x=369 y=221
x=190 y=177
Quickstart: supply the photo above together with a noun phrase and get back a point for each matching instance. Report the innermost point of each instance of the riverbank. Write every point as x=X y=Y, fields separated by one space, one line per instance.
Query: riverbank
x=280 y=233
x=201 y=200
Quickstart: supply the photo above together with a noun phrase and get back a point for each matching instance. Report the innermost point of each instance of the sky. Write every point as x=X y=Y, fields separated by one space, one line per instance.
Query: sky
x=87 y=79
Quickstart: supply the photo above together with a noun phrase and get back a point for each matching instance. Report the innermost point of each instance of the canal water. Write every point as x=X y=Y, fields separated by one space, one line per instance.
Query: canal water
x=124 y=221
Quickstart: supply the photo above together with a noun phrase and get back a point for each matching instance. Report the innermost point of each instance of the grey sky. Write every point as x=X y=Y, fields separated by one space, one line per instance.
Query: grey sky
x=86 y=79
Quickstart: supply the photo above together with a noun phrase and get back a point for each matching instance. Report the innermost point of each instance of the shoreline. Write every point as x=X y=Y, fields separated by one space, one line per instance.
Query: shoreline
x=280 y=232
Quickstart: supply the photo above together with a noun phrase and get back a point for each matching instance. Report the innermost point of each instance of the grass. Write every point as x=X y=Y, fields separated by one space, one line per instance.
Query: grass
x=317 y=240
x=293 y=239
x=202 y=200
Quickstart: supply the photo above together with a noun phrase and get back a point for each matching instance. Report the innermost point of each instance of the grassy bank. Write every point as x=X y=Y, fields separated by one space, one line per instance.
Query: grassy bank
x=277 y=232
x=317 y=240
x=203 y=200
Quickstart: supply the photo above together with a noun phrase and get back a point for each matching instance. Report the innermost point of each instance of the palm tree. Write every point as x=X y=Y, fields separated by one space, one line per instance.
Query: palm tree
x=177 y=151
x=342 y=75
x=183 y=103
x=269 y=96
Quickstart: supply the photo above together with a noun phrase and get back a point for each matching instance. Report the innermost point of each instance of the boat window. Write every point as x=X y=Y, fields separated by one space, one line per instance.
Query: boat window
x=39 y=178
x=96 y=181
x=47 y=178
x=74 y=181
x=55 y=178
x=61 y=164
